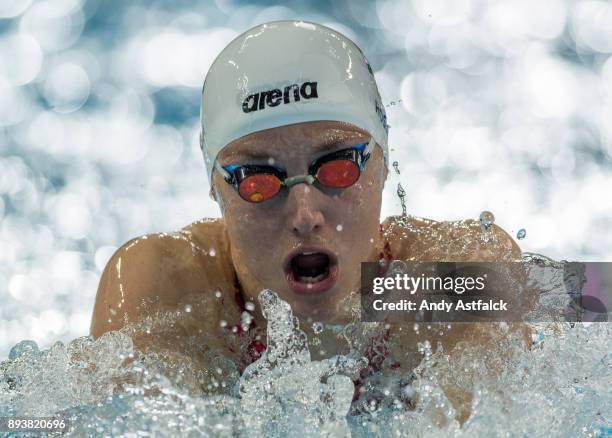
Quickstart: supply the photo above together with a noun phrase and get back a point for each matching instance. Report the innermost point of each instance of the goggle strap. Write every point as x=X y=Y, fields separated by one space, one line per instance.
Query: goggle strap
x=370 y=146
x=224 y=173
x=366 y=152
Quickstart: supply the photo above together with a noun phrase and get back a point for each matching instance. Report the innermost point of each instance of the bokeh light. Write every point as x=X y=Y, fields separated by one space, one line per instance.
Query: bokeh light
x=500 y=105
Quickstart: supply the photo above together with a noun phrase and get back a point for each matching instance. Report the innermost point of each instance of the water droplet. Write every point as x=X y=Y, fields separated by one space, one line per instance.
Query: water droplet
x=271 y=161
x=486 y=220
x=521 y=234
x=371 y=240
x=245 y=320
x=188 y=308
x=223 y=323
x=249 y=306
x=317 y=327
x=402 y=195
x=339 y=227
x=396 y=167
x=212 y=252
x=218 y=293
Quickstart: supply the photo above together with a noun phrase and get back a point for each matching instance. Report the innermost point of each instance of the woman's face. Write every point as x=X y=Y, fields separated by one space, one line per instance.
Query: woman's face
x=308 y=241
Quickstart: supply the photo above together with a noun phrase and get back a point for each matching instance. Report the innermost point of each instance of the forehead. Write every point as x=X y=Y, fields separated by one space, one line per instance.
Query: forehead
x=307 y=137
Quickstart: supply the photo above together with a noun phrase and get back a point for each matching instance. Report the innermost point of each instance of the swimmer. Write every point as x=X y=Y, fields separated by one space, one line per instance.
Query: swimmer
x=294 y=137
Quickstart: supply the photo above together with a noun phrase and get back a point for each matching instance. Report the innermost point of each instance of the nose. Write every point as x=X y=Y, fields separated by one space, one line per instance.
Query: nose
x=304 y=210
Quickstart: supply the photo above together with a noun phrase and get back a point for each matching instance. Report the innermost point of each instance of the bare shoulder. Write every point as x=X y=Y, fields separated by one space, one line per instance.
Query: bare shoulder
x=417 y=238
x=156 y=272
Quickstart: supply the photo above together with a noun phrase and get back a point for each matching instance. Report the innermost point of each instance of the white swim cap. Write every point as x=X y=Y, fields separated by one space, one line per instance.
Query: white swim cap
x=285 y=72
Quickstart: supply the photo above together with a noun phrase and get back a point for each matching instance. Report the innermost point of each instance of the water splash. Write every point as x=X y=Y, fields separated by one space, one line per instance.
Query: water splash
x=24 y=348
x=521 y=234
x=393 y=103
x=402 y=195
x=284 y=391
x=558 y=387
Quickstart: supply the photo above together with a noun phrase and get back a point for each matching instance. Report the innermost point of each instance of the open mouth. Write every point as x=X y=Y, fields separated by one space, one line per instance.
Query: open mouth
x=310 y=267
x=311 y=270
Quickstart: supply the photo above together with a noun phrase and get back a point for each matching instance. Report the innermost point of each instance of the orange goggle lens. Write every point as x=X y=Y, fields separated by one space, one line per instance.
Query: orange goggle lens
x=260 y=187
x=338 y=173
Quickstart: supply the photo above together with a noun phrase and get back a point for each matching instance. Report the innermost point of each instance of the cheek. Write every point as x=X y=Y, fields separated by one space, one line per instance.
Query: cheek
x=250 y=227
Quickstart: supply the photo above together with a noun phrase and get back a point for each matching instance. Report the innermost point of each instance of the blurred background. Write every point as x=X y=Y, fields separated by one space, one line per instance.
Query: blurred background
x=503 y=106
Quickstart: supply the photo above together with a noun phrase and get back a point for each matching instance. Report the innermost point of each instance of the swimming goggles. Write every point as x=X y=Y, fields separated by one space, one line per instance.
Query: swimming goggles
x=258 y=183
